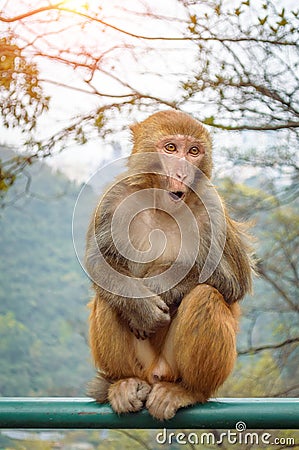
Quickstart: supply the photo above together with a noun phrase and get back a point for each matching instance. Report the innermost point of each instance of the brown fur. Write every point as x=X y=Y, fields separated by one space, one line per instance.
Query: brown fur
x=170 y=350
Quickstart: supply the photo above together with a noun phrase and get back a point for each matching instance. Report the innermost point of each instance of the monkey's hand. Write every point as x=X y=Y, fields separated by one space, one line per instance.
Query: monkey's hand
x=149 y=315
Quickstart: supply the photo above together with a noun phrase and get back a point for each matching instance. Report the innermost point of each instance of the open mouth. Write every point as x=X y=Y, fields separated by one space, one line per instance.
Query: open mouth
x=177 y=195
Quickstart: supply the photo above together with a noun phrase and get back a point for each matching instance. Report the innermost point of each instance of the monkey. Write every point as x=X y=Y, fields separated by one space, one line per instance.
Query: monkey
x=164 y=318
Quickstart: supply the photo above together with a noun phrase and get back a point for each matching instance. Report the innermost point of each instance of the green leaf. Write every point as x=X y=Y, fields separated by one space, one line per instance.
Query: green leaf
x=263 y=21
x=282 y=23
x=193 y=19
x=209 y=120
x=282 y=12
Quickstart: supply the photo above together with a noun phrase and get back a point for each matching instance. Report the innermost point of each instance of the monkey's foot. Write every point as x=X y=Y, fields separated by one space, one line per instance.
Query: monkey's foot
x=128 y=395
x=166 y=398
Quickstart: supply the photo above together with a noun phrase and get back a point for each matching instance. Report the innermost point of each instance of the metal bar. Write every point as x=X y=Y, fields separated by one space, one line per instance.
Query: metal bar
x=225 y=413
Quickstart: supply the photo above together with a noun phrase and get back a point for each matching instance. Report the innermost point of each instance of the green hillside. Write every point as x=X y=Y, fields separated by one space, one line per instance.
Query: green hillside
x=43 y=292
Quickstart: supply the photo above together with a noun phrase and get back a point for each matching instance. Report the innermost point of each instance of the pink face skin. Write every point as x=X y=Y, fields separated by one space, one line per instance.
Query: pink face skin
x=182 y=150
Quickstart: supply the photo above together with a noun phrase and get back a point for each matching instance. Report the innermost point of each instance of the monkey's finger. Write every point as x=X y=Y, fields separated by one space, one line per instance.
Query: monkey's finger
x=143 y=335
x=162 y=306
x=135 y=332
x=164 y=319
x=139 y=334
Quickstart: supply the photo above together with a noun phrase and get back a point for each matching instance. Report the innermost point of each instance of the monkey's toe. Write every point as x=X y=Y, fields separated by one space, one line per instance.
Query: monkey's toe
x=143 y=390
x=166 y=398
x=128 y=395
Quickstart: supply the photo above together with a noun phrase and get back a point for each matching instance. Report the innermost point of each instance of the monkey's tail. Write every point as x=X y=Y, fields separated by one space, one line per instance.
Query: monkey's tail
x=98 y=388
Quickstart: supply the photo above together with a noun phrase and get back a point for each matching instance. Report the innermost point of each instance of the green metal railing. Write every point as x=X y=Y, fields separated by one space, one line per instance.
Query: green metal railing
x=225 y=413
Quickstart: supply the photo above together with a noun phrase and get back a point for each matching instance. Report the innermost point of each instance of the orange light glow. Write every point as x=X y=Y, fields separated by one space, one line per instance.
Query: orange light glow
x=79 y=5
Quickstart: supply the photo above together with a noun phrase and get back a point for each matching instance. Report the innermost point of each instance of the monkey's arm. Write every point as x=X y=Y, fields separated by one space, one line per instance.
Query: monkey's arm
x=146 y=311
x=233 y=276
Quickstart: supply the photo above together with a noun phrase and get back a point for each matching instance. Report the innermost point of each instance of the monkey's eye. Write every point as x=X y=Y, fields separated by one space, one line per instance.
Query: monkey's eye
x=170 y=147
x=194 y=151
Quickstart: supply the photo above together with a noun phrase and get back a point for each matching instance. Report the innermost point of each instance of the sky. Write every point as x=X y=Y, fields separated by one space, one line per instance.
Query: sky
x=66 y=103
x=80 y=161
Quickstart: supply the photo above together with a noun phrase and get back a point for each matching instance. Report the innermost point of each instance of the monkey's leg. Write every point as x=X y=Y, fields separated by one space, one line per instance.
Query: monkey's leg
x=121 y=359
x=200 y=347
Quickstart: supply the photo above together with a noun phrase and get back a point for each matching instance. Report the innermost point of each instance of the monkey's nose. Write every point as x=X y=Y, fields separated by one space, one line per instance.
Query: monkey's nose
x=180 y=175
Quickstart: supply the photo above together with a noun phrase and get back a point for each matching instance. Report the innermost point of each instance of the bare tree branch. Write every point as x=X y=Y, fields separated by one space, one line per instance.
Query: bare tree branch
x=262 y=127
x=29 y=13
x=286 y=391
x=254 y=350
x=60 y=7
x=262 y=271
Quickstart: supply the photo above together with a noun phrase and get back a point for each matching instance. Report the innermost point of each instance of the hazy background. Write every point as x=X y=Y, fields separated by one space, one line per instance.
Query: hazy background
x=73 y=76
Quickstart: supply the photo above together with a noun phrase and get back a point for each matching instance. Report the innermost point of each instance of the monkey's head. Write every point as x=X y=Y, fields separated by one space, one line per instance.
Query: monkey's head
x=184 y=145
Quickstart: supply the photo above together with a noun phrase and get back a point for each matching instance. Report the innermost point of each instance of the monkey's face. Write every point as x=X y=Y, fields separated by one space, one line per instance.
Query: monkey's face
x=182 y=155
